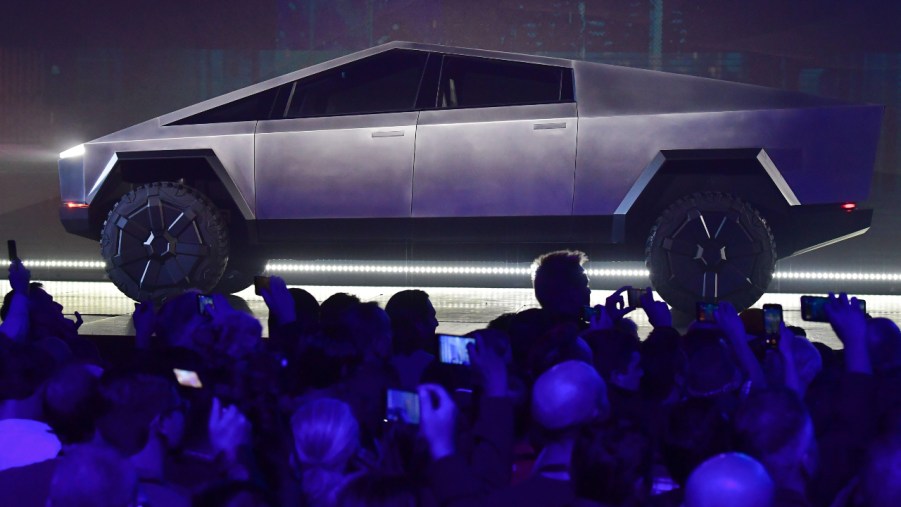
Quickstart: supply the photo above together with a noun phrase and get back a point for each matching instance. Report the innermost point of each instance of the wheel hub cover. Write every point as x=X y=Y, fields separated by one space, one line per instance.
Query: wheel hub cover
x=160 y=244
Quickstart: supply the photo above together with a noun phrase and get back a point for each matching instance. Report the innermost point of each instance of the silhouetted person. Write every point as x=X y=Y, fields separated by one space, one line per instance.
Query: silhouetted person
x=561 y=284
x=413 y=325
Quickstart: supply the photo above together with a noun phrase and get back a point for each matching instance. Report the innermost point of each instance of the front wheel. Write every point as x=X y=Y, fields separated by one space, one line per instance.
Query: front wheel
x=710 y=247
x=164 y=238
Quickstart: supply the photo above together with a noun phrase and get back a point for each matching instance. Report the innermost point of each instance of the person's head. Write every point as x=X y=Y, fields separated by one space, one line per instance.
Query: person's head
x=93 y=476
x=729 y=480
x=611 y=464
x=179 y=323
x=561 y=284
x=616 y=357
x=774 y=427
x=695 y=431
x=376 y=490
x=71 y=404
x=305 y=307
x=883 y=344
x=569 y=395
x=326 y=437
x=368 y=328
x=140 y=409
x=45 y=316
x=413 y=320
x=880 y=477
x=332 y=308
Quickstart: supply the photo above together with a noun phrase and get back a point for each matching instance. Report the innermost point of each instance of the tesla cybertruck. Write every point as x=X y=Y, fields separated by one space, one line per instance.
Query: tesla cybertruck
x=710 y=182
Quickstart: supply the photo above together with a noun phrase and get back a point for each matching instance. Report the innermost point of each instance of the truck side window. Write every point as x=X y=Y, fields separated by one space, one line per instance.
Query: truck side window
x=482 y=82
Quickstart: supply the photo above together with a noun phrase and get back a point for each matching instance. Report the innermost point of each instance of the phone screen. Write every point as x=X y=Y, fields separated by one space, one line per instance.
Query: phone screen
x=772 y=319
x=402 y=406
x=204 y=301
x=187 y=378
x=452 y=349
x=813 y=308
x=706 y=312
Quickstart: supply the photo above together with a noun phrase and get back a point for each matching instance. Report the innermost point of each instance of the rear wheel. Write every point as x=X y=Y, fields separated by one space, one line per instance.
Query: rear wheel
x=163 y=238
x=710 y=247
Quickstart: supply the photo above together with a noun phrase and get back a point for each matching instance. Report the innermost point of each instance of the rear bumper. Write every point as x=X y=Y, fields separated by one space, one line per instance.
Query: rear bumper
x=808 y=228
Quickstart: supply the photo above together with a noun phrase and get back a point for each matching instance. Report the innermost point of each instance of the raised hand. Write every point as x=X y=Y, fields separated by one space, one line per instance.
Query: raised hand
x=279 y=301
x=437 y=418
x=850 y=325
x=658 y=312
x=730 y=323
x=228 y=430
x=19 y=277
x=600 y=319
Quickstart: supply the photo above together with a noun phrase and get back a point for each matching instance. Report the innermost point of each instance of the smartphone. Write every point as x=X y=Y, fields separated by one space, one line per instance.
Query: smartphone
x=204 y=301
x=634 y=297
x=706 y=312
x=452 y=349
x=772 y=324
x=402 y=406
x=187 y=378
x=813 y=308
x=13 y=252
x=260 y=283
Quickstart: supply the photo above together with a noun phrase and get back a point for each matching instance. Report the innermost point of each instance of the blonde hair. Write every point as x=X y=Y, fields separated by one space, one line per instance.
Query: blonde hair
x=326 y=437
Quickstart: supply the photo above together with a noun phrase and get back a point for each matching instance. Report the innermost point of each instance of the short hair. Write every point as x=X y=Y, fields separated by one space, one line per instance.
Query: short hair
x=770 y=425
x=407 y=308
x=326 y=437
x=332 y=308
x=554 y=271
x=71 y=404
x=608 y=461
x=364 y=325
x=7 y=299
x=93 y=476
x=378 y=490
x=306 y=309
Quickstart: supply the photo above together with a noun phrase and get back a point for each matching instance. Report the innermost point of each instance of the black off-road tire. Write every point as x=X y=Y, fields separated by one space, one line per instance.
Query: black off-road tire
x=164 y=238
x=710 y=247
x=239 y=272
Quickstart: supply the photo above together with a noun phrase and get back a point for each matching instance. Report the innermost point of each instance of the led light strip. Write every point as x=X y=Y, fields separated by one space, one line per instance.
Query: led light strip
x=285 y=267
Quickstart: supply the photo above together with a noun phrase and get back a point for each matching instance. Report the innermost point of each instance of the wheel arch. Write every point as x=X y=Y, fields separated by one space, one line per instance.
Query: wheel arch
x=200 y=169
x=748 y=174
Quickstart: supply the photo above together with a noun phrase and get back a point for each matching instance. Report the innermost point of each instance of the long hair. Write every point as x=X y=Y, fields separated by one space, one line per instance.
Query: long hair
x=326 y=437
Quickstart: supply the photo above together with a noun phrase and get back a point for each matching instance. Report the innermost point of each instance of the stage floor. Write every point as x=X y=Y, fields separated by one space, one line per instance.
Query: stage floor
x=107 y=312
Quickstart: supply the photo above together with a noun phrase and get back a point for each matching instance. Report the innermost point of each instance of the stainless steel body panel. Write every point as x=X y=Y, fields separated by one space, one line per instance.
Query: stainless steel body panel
x=338 y=167
x=502 y=161
x=232 y=143
x=807 y=146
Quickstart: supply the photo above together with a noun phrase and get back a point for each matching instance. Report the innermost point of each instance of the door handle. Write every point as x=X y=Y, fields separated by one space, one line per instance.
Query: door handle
x=388 y=133
x=548 y=126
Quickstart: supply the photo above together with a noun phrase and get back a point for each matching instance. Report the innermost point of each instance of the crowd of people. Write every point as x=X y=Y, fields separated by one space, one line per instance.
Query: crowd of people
x=548 y=409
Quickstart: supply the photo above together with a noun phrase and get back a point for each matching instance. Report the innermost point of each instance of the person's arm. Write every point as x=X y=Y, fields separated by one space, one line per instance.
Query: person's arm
x=15 y=325
x=492 y=456
x=730 y=323
x=658 y=312
x=790 y=371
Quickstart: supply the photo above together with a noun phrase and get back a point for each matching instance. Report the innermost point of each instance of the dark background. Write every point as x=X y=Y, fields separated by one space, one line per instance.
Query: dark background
x=71 y=71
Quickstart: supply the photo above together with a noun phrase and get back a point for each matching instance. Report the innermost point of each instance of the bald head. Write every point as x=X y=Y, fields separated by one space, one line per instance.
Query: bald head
x=729 y=480
x=569 y=394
